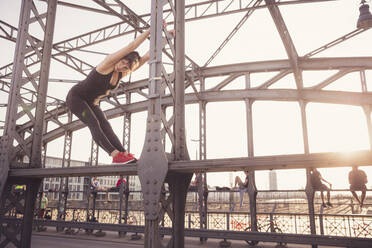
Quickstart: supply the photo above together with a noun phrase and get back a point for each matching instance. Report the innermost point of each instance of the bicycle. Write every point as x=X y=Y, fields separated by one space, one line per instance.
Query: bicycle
x=266 y=227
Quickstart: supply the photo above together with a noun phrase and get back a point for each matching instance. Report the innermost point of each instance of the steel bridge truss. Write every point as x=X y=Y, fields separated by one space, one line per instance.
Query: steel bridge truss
x=29 y=110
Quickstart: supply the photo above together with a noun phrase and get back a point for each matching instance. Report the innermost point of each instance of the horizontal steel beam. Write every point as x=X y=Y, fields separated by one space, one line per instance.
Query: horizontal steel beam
x=78 y=171
x=363 y=63
x=294 y=161
x=279 y=65
x=321 y=96
x=352 y=98
x=219 y=234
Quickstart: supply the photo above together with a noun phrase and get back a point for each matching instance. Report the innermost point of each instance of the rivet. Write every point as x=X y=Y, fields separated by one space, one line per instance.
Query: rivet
x=155 y=181
x=149 y=150
x=156 y=149
x=146 y=202
x=148 y=130
x=148 y=182
x=154 y=192
x=149 y=140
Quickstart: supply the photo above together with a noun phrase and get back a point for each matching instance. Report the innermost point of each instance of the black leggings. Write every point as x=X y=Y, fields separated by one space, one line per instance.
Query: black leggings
x=95 y=119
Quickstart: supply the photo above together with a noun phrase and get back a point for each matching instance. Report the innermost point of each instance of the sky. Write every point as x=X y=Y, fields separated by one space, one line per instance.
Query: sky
x=276 y=125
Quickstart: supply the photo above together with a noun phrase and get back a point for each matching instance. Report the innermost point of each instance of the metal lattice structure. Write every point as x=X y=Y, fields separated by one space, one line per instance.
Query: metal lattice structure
x=171 y=74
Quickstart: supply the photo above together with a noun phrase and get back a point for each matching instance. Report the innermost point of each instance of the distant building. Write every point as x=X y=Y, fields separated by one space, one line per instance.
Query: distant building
x=76 y=184
x=273 y=180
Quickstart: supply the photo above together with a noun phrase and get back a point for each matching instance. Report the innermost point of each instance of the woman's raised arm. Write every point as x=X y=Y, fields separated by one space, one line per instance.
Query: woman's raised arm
x=107 y=65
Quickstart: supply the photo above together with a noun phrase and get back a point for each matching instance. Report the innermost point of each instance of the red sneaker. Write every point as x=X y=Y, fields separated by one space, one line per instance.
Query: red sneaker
x=123 y=158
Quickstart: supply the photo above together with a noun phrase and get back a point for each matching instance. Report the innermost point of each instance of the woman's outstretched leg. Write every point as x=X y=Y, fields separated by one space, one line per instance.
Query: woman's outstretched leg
x=123 y=156
x=107 y=129
x=82 y=110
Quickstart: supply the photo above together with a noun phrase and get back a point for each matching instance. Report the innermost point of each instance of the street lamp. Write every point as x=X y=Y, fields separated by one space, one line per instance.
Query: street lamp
x=365 y=17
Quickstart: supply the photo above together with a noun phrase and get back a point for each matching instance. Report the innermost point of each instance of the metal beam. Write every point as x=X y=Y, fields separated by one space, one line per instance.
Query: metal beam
x=218 y=234
x=287 y=41
x=297 y=161
x=321 y=96
x=352 y=63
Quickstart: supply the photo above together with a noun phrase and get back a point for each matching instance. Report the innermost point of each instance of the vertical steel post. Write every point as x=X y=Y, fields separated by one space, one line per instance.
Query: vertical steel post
x=180 y=150
x=35 y=159
x=10 y=132
x=202 y=124
x=309 y=190
x=179 y=182
x=64 y=185
x=252 y=189
x=127 y=119
x=366 y=108
x=203 y=191
x=153 y=163
x=93 y=162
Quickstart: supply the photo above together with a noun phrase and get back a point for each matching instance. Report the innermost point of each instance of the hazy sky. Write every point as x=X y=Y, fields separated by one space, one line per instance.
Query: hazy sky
x=277 y=125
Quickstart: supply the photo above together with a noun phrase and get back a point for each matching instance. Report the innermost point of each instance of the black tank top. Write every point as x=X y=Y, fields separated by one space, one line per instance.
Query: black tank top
x=95 y=86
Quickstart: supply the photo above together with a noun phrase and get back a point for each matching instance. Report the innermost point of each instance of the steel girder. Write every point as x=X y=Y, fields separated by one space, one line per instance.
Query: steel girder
x=307 y=94
x=293 y=64
x=296 y=161
x=351 y=98
x=233 y=235
x=199 y=10
x=20 y=236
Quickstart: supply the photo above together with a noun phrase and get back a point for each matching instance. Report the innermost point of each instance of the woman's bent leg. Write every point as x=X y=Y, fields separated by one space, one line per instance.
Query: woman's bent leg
x=81 y=109
x=107 y=129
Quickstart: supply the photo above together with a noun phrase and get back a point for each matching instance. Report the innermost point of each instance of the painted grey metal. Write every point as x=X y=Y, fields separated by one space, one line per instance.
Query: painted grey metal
x=178 y=185
x=287 y=40
x=322 y=96
x=35 y=160
x=337 y=97
x=180 y=149
x=280 y=162
x=197 y=9
x=179 y=182
x=4 y=162
x=262 y=236
x=309 y=190
x=215 y=165
x=252 y=189
x=124 y=191
x=14 y=101
x=153 y=163
x=127 y=124
x=252 y=8
x=93 y=162
x=203 y=187
x=10 y=118
x=366 y=108
x=64 y=182
x=110 y=31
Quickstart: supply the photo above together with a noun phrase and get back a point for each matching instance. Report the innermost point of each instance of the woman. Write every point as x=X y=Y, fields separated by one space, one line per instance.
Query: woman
x=83 y=99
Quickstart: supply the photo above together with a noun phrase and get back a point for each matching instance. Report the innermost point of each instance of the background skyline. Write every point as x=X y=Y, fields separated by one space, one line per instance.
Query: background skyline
x=276 y=125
